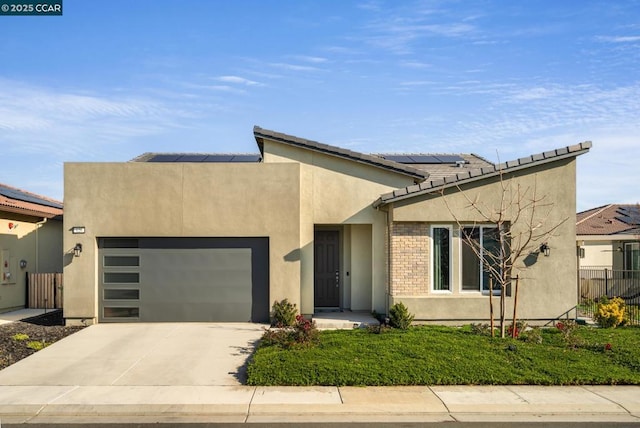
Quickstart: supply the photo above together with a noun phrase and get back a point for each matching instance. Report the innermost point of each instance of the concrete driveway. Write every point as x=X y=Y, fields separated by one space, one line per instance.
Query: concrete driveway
x=172 y=354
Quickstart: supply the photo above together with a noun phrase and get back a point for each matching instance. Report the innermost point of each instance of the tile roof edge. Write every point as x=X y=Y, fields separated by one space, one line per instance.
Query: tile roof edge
x=143 y=157
x=45 y=198
x=599 y=210
x=487 y=172
x=482 y=158
x=259 y=132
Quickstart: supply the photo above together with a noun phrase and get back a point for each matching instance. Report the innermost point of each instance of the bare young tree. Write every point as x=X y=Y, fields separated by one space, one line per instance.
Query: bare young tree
x=519 y=230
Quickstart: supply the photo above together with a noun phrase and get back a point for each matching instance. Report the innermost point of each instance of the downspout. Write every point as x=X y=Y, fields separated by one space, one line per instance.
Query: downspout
x=38 y=225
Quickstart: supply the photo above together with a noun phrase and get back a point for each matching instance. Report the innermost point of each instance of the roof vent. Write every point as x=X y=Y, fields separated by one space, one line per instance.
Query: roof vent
x=460 y=163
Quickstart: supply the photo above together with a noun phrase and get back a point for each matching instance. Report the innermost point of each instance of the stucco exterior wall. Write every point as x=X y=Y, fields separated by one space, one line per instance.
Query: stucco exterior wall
x=340 y=192
x=598 y=254
x=33 y=240
x=547 y=288
x=175 y=200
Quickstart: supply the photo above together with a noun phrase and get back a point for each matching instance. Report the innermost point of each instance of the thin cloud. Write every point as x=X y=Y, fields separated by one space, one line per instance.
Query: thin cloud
x=311 y=59
x=293 y=67
x=65 y=123
x=238 y=80
x=619 y=39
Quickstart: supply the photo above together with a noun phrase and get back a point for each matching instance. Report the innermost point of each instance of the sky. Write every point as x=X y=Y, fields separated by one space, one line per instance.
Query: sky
x=110 y=80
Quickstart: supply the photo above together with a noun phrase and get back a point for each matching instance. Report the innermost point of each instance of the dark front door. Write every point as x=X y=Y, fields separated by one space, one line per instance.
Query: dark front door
x=327 y=269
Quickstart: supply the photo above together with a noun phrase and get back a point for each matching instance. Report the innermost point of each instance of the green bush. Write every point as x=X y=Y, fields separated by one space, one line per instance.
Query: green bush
x=569 y=330
x=400 y=317
x=37 y=346
x=283 y=313
x=20 y=336
x=303 y=333
x=481 y=329
x=532 y=335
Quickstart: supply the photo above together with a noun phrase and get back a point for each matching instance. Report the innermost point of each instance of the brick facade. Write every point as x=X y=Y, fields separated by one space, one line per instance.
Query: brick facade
x=409 y=255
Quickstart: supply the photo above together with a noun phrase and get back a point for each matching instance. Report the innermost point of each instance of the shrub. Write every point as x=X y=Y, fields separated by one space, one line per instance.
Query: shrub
x=20 y=336
x=610 y=313
x=283 y=313
x=481 y=329
x=532 y=335
x=303 y=333
x=399 y=316
x=569 y=328
x=37 y=346
x=520 y=327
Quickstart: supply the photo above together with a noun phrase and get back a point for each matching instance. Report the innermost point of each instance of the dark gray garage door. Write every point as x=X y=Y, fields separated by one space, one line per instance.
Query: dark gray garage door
x=183 y=279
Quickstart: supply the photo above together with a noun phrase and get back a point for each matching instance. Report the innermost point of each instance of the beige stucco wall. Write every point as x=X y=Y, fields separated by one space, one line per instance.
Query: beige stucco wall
x=37 y=242
x=547 y=288
x=180 y=199
x=598 y=254
x=339 y=192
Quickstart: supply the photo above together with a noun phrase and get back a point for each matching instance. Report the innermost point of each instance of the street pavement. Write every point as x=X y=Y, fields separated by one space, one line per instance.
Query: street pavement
x=193 y=373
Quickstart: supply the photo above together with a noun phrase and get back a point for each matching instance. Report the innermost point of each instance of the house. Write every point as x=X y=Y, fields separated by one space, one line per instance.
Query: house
x=609 y=237
x=30 y=241
x=210 y=237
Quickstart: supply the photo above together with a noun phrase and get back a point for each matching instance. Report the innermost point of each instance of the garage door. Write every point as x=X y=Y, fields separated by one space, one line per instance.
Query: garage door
x=183 y=279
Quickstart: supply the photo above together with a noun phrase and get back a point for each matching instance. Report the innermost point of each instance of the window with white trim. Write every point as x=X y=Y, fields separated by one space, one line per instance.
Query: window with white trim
x=441 y=258
x=480 y=254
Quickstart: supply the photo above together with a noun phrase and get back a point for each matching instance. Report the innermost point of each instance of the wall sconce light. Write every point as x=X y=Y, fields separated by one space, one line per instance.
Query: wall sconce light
x=23 y=264
x=77 y=250
x=545 y=249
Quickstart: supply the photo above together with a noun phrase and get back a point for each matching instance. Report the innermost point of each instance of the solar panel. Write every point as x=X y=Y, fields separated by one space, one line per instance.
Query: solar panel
x=24 y=197
x=398 y=158
x=450 y=158
x=246 y=158
x=164 y=158
x=425 y=159
x=629 y=215
x=192 y=158
x=218 y=158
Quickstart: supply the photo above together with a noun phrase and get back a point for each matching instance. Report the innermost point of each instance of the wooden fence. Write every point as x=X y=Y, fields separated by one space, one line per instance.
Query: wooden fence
x=44 y=291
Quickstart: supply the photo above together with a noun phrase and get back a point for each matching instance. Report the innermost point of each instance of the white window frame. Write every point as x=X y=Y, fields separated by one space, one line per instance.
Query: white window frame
x=432 y=261
x=481 y=290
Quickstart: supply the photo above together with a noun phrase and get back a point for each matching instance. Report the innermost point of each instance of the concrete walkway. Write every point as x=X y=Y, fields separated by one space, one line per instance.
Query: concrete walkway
x=21 y=314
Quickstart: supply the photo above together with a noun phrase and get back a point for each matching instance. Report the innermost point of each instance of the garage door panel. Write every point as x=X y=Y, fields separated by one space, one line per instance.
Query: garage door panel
x=203 y=279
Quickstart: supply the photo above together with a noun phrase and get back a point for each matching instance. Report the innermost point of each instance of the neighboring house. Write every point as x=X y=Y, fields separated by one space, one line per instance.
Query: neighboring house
x=608 y=237
x=30 y=241
x=207 y=237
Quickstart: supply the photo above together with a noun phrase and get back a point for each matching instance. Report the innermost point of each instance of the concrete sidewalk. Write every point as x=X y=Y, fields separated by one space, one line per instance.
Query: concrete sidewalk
x=240 y=404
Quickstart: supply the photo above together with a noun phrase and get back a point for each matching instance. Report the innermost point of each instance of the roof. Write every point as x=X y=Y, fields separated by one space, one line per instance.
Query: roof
x=612 y=219
x=198 y=157
x=20 y=201
x=373 y=160
x=439 y=170
x=469 y=176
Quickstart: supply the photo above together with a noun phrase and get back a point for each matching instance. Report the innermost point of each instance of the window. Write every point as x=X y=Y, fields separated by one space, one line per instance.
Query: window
x=440 y=258
x=480 y=255
x=631 y=259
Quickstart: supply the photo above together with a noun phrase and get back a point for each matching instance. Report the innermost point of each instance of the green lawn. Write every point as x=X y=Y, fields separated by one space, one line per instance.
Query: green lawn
x=427 y=355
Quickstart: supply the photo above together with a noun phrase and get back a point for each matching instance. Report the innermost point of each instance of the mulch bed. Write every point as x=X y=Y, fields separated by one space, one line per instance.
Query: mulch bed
x=47 y=329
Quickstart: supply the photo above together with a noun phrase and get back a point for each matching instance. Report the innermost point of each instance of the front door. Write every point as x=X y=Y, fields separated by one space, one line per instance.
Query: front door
x=327 y=269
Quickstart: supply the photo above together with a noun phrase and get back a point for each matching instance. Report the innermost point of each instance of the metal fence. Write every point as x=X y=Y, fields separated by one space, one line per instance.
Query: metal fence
x=44 y=290
x=596 y=283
